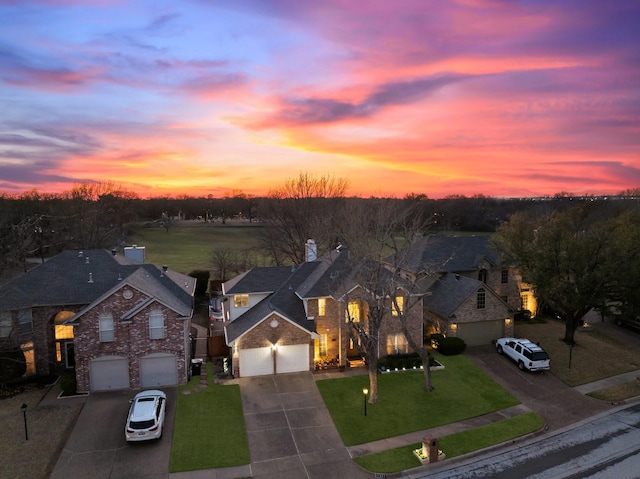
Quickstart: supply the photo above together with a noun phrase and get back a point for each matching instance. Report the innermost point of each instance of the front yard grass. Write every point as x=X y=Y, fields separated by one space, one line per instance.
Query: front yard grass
x=402 y=458
x=461 y=391
x=209 y=430
x=595 y=355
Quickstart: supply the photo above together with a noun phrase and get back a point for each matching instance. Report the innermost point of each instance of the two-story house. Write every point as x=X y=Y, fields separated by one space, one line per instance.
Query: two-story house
x=119 y=322
x=286 y=319
x=474 y=294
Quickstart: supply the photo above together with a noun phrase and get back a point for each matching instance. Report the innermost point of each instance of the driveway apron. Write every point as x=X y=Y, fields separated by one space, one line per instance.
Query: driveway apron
x=290 y=431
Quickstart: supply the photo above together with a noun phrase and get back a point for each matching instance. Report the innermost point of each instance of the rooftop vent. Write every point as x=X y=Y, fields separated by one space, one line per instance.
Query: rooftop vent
x=90 y=278
x=87 y=260
x=80 y=254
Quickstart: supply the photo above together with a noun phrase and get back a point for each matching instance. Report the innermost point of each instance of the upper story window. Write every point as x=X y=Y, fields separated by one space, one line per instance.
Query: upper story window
x=482 y=275
x=504 y=276
x=353 y=312
x=397 y=306
x=156 y=325
x=25 y=319
x=6 y=325
x=107 y=329
x=482 y=299
x=241 y=300
x=322 y=306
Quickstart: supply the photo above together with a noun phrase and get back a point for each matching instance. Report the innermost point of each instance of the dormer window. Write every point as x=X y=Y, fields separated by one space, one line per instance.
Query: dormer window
x=482 y=275
x=241 y=300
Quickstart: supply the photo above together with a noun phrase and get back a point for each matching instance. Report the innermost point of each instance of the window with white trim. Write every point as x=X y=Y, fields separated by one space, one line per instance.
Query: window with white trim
x=156 y=325
x=107 y=328
x=482 y=299
x=6 y=325
x=25 y=320
x=322 y=306
x=353 y=312
x=397 y=344
x=241 y=300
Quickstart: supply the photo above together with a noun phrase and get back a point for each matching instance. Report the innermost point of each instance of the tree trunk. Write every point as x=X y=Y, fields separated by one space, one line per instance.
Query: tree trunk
x=426 y=360
x=571 y=324
x=372 y=366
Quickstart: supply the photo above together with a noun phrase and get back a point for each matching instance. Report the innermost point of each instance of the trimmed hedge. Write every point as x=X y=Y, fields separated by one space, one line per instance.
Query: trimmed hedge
x=451 y=346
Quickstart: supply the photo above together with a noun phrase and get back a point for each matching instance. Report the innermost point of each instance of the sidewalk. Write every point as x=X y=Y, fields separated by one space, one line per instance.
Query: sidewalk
x=606 y=382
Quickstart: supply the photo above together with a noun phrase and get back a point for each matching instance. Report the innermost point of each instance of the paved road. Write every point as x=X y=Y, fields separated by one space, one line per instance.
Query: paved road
x=603 y=448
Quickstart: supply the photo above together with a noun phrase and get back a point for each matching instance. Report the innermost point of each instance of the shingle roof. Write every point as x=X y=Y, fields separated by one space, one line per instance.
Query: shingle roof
x=80 y=278
x=449 y=292
x=438 y=253
x=285 y=301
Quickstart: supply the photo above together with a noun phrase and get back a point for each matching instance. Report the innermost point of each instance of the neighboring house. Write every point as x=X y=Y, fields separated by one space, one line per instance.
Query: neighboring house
x=474 y=294
x=286 y=319
x=120 y=323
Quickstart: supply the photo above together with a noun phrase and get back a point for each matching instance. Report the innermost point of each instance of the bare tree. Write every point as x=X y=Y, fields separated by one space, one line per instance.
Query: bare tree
x=376 y=235
x=302 y=208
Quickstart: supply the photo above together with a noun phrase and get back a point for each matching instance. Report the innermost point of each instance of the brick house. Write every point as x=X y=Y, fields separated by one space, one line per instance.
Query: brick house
x=282 y=319
x=474 y=293
x=119 y=322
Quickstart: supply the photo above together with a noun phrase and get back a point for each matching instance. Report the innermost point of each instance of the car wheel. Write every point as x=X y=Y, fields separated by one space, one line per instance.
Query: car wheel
x=500 y=350
x=521 y=365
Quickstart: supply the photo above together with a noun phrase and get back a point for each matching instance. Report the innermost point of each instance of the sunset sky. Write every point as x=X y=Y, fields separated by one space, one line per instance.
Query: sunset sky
x=204 y=97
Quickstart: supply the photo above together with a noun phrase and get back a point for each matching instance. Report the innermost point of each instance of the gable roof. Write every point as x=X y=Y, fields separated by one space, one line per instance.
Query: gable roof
x=449 y=292
x=439 y=253
x=82 y=277
x=284 y=300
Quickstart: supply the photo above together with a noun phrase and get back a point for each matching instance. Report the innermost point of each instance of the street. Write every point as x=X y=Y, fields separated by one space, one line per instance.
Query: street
x=606 y=447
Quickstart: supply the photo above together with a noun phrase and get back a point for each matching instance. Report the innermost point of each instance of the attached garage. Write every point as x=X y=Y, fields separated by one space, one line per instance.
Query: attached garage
x=292 y=359
x=158 y=369
x=479 y=333
x=109 y=372
x=255 y=361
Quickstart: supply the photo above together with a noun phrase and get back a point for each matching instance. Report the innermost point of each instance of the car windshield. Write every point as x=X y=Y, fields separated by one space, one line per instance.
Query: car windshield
x=136 y=425
x=539 y=356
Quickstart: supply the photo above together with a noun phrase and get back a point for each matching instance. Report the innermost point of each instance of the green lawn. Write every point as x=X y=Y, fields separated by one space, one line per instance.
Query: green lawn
x=187 y=248
x=209 y=430
x=461 y=391
x=402 y=458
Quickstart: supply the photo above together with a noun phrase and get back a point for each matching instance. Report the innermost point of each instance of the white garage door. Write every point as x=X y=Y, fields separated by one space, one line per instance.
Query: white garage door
x=109 y=372
x=480 y=333
x=255 y=362
x=158 y=369
x=292 y=359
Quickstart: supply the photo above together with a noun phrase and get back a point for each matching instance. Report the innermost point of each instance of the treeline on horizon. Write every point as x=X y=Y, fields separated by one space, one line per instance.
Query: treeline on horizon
x=100 y=215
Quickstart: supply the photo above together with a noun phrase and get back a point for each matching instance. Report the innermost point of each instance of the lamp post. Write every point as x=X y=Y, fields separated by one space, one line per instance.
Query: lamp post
x=365 y=391
x=23 y=408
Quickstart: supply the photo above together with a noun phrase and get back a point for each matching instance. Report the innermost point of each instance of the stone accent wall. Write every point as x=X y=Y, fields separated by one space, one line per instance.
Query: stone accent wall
x=131 y=338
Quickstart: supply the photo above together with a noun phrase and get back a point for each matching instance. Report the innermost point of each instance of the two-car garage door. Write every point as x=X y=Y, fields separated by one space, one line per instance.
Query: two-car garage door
x=260 y=361
x=112 y=372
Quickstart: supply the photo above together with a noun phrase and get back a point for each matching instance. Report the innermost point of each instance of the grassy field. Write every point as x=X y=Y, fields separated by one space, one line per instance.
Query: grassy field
x=189 y=246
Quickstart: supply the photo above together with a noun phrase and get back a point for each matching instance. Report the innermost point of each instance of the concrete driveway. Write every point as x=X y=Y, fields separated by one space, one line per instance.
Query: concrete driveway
x=290 y=431
x=96 y=448
x=558 y=404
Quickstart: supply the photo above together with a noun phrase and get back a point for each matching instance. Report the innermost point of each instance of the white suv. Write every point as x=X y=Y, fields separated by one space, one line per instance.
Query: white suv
x=526 y=354
x=146 y=416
